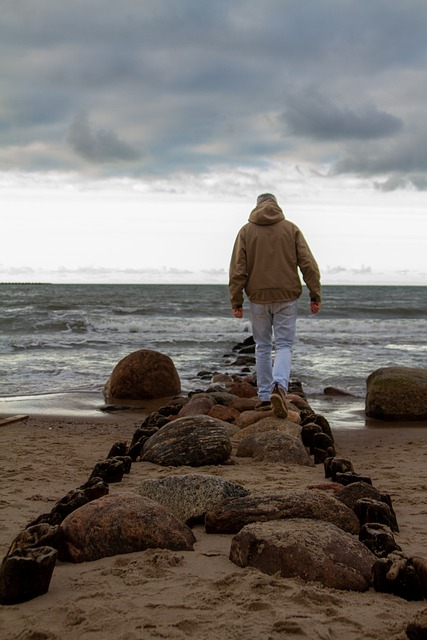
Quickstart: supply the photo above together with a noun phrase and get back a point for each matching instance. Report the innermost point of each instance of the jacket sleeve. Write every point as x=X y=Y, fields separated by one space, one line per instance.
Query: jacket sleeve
x=238 y=271
x=309 y=268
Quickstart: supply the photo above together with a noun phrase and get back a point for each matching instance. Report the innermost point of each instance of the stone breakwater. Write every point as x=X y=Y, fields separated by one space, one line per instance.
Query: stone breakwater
x=341 y=533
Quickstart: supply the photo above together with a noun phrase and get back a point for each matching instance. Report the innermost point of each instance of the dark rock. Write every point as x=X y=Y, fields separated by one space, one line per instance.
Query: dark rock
x=111 y=470
x=308 y=432
x=369 y=510
x=397 y=393
x=51 y=518
x=38 y=535
x=420 y=565
x=136 y=451
x=144 y=374
x=417 y=628
x=234 y=513
x=244 y=360
x=396 y=574
x=94 y=488
x=323 y=424
x=334 y=391
x=26 y=574
x=337 y=465
x=355 y=491
x=121 y=523
x=118 y=449
x=144 y=431
x=313 y=551
x=190 y=496
x=379 y=539
x=322 y=441
x=169 y=410
x=193 y=440
x=126 y=460
x=320 y=455
x=73 y=500
x=348 y=478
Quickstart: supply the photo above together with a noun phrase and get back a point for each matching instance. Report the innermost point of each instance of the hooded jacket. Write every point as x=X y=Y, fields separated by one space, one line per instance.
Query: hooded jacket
x=267 y=254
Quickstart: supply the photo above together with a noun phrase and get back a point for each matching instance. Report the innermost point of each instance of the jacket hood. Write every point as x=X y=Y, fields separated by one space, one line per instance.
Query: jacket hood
x=267 y=212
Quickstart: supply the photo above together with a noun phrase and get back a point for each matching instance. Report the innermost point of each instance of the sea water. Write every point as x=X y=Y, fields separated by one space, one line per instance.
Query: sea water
x=58 y=338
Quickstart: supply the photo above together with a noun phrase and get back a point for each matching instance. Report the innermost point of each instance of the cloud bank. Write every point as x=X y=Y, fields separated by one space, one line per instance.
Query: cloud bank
x=148 y=89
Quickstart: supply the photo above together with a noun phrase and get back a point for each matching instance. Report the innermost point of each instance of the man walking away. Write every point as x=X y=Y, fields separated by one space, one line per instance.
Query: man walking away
x=267 y=254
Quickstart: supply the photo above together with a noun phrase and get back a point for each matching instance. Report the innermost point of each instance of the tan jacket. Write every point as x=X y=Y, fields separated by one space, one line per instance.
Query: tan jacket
x=266 y=256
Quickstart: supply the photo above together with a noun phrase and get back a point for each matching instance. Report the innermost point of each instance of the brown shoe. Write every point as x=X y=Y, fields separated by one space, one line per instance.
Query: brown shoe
x=278 y=400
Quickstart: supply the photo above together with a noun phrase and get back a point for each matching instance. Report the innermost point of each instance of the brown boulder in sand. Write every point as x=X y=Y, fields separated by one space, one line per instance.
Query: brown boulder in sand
x=397 y=393
x=274 y=446
x=311 y=550
x=121 y=523
x=193 y=440
x=143 y=375
x=234 y=513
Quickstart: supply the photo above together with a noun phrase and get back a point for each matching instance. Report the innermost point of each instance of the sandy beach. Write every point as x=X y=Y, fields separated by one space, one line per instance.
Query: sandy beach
x=201 y=593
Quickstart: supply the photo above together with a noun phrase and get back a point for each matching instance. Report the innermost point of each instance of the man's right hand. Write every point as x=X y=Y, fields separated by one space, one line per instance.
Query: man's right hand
x=314 y=307
x=238 y=313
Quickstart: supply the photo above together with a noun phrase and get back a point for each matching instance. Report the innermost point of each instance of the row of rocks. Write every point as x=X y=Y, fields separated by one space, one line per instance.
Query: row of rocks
x=392 y=393
x=344 y=540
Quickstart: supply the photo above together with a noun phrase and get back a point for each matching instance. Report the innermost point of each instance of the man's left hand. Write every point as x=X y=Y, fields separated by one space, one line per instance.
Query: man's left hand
x=314 y=307
x=238 y=313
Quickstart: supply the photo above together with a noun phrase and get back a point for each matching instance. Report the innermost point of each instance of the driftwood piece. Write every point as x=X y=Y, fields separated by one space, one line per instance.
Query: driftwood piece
x=4 y=421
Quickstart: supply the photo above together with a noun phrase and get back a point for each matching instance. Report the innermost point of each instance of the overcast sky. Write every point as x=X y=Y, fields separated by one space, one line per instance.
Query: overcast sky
x=136 y=135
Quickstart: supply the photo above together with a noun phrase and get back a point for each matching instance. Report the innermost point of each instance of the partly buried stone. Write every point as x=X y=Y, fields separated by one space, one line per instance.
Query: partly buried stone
x=193 y=440
x=397 y=393
x=274 y=446
x=311 y=550
x=234 y=513
x=143 y=374
x=121 y=523
x=26 y=573
x=190 y=496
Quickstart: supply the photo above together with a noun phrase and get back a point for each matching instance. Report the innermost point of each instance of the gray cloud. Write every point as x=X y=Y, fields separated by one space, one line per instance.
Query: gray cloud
x=313 y=115
x=98 y=145
x=191 y=86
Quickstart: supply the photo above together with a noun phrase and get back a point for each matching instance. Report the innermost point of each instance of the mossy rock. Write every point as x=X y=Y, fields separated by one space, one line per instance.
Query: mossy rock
x=397 y=393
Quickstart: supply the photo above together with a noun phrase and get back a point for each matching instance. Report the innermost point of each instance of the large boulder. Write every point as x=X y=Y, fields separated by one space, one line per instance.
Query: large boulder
x=311 y=550
x=397 y=393
x=121 y=523
x=267 y=423
x=193 y=440
x=190 y=496
x=274 y=446
x=143 y=375
x=234 y=513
